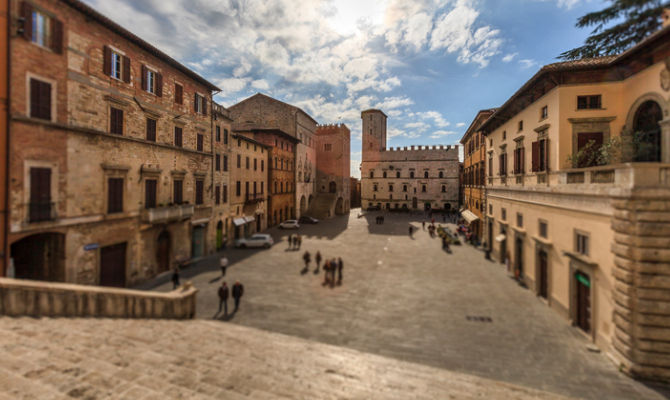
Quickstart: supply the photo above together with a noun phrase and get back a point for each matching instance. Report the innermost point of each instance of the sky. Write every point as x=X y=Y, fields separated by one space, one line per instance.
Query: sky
x=430 y=65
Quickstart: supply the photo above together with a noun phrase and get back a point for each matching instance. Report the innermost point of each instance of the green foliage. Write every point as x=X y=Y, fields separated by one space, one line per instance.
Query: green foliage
x=633 y=21
x=626 y=148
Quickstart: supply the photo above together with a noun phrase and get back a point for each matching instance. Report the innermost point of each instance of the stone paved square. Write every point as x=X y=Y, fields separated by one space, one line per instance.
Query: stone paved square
x=408 y=299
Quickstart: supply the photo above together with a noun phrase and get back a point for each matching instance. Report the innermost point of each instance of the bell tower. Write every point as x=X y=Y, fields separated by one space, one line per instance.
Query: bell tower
x=374 y=132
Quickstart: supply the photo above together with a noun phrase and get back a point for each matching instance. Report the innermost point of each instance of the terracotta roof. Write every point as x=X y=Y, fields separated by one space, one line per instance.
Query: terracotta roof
x=118 y=29
x=474 y=125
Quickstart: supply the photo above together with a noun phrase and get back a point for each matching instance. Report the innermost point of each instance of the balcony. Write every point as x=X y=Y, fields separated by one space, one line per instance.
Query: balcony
x=254 y=198
x=41 y=211
x=621 y=176
x=161 y=215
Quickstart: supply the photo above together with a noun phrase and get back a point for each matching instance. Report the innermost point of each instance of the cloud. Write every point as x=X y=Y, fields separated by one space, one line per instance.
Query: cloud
x=417 y=126
x=460 y=124
x=436 y=117
x=260 y=84
x=509 y=57
x=527 y=63
x=441 y=134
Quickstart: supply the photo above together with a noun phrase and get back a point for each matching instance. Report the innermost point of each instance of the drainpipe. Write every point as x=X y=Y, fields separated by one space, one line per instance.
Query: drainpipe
x=5 y=183
x=211 y=143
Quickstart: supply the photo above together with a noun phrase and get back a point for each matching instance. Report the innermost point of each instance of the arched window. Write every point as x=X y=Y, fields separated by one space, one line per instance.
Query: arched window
x=648 y=132
x=384 y=174
x=372 y=174
x=444 y=189
x=390 y=188
x=397 y=174
x=374 y=188
x=423 y=188
x=411 y=174
x=425 y=174
x=404 y=188
x=441 y=174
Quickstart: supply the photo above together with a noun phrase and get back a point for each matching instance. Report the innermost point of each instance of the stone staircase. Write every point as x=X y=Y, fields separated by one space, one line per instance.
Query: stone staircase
x=163 y=359
x=323 y=206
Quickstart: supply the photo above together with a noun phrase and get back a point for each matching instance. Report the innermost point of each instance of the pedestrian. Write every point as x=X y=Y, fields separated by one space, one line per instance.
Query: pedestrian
x=333 y=269
x=298 y=240
x=326 y=272
x=238 y=291
x=224 y=264
x=318 y=261
x=223 y=298
x=411 y=230
x=307 y=258
x=290 y=241
x=175 y=278
x=423 y=225
x=340 y=264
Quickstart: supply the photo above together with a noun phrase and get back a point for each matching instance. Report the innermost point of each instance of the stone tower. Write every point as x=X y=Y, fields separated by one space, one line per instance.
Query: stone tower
x=374 y=132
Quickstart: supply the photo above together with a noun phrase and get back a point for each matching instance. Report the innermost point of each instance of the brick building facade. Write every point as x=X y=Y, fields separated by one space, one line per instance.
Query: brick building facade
x=333 y=155
x=111 y=150
x=249 y=172
x=421 y=178
x=222 y=144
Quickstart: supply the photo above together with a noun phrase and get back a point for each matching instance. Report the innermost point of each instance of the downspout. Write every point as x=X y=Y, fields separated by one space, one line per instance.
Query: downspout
x=5 y=183
x=211 y=143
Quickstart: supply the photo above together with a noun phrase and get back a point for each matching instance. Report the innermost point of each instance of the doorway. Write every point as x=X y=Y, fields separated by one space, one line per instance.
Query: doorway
x=518 y=257
x=219 y=235
x=163 y=252
x=113 y=265
x=583 y=301
x=198 y=242
x=332 y=187
x=40 y=257
x=415 y=203
x=543 y=275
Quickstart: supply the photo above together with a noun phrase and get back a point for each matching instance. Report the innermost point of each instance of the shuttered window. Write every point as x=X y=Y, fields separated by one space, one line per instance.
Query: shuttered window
x=238 y=188
x=225 y=193
x=225 y=136
x=218 y=133
x=225 y=163
x=151 y=129
x=200 y=145
x=115 y=121
x=199 y=104
x=177 y=192
x=178 y=93
x=540 y=155
x=114 y=195
x=116 y=65
x=40 y=194
x=150 y=193
x=217 y=164
x=178 y=136
x=40 y=99
x=217 y=194
x=199 y=198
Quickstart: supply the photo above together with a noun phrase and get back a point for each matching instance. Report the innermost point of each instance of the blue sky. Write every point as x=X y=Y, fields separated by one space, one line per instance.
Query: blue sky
x=430 y=65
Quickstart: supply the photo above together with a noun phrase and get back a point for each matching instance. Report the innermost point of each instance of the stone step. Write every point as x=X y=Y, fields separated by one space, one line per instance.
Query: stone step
x=159 y=359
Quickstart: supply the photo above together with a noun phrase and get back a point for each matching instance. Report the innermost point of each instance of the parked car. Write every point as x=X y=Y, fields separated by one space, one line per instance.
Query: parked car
x=308 y=220
x=289 y=224
x=255 y=240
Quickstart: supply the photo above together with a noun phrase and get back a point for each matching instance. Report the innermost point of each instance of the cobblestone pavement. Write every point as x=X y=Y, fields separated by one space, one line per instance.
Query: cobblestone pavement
x=156 y=360
x=407 y=299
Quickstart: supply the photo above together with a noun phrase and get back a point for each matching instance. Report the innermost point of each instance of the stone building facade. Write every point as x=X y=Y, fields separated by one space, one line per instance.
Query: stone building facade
x=221 y=142
x=591 y=237
x=333 y=143
x=418 y=178
x=4 y=135
x=355 y=197
x=474 y=175
x=249 y=186
x=111 y=151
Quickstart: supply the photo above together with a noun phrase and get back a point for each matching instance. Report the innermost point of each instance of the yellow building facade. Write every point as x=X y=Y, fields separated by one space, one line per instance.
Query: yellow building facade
x=578 y=197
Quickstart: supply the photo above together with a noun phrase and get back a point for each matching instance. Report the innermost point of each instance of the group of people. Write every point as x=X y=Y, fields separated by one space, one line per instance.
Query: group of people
x=331 y=268
x=238 y=291
x=380 y=220
x=294 y=241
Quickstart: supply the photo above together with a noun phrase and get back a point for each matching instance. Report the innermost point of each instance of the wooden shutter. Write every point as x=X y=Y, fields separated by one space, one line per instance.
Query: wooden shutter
x=546 y=154
x=56 y=36
x=204 y=106
x=177 y=192
x=500 y=164
x=144 y=77
x=107 y=61
x=195 y=103
x=225 y=193
x=516 y=161
x=536 y=156
x=522 y=162
x=151 y=129
x=198 y=192
x=40 y=99
x=114 y=195
x=217 y=194
x=200 y=143
x=150 y=193
x=40 y=194
x=126 y=69
x=159 y=85
x=178 y=94
x=177 y=136
x=27 y=15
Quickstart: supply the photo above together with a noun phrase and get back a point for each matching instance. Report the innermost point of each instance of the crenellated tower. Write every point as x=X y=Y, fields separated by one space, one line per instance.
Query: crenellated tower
x=374 y=132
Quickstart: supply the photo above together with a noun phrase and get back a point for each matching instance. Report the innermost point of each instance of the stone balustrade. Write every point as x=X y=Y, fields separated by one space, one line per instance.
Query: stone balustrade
x=50 y=299
x=161 y=215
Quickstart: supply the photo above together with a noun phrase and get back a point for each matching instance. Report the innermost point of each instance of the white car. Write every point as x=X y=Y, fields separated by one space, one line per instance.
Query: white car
x=255 y=240
x=289 y=224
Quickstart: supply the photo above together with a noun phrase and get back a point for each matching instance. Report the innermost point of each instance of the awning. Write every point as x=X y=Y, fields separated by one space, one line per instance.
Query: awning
x=469 y=216
x=501 y=237
x=239 y=221
x=249 y=219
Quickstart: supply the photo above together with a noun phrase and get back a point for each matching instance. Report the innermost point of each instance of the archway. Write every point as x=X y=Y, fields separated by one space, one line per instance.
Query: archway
x=647 y=129
x=163 y=251
x=332 y=187
x=339 y=206
x=309 y=201
x=303 y=205
x=40 y=257
x=219 y=235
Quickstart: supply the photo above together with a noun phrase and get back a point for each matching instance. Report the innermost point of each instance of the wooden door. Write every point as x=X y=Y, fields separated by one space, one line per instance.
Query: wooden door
x=113 y=265
x=583 y=302
x=198 y=245
x=543 y=275
x=40 y=194
x=163 y=252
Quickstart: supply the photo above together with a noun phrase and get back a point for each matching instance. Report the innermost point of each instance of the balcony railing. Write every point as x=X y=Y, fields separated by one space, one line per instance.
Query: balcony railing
x=165 y=214
x=41 y=211
x=254 y=198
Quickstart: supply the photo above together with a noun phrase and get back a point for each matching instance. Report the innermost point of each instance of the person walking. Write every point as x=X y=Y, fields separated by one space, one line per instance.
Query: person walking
x=175 y=278
x=411 y=231
x=223 y=298
x=307 y=258
x=333 y=270
x=423 y=225
x=290 y=241
x=238 y=291
x=318 y=261
x=223 y=262
x=326 y=272
x=340 y=264
x=298 y=240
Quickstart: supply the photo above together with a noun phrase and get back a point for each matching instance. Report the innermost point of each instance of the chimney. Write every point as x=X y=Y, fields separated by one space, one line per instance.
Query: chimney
x=665 y=16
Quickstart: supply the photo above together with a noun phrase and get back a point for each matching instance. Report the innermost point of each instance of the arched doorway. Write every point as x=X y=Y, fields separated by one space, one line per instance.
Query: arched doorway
x=332 y=187
x=447 y=206
x=40 y=257
x=163 y=252
x=647 y=129
x=219 y=235
x=303 y=205
x=339 y=206
x=415 y=202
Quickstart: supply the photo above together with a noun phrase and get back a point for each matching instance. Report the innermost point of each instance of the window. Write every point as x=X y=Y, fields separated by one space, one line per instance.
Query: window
x=581 y=243
x=217 y=162
x=390 y=188
x=225 y=136
x=444 y=188
x=411 y=174
x=504 y=214
x=327 y=147
x=384 y=174
x=589 y=102
x=218 y=133
x=504 y=135
x=178 y=136
x=225 y=163
x=404 y=188
x=151 y=129
x=238 y=188
x=425 y=174
x=200 y=104
x=199 y=143
x=40 y=99
x=397 y=174
x=543 y=228
x=115 y=121
x=152 y=81
x=441 y=174
x=117 y=64
x=178 y=192
x=520 y=126
x=374 y=188
x=178 y=93
x=225 y=193
x=503 y=164
x=372 y=174
x=239 y=142
x=544 y=113
x=114 y=195
x=247 y=162
x=423 y=188
x=40 y=194
x=262 y=165
x=150 y=193
x=239 y=161
x=199 y=186
x=490 y=209
x=519 y=160
x=540 y=160
x=519 y=220
x=217 y=194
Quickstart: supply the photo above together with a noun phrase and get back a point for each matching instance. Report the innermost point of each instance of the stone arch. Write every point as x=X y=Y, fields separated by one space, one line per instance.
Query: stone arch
x=339 y=206
x=303 y=205
x=332 y=187
x=664 y=122
x=40 y=257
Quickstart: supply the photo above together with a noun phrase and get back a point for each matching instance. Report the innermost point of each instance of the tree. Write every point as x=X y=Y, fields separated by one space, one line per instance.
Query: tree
x=634 y=20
